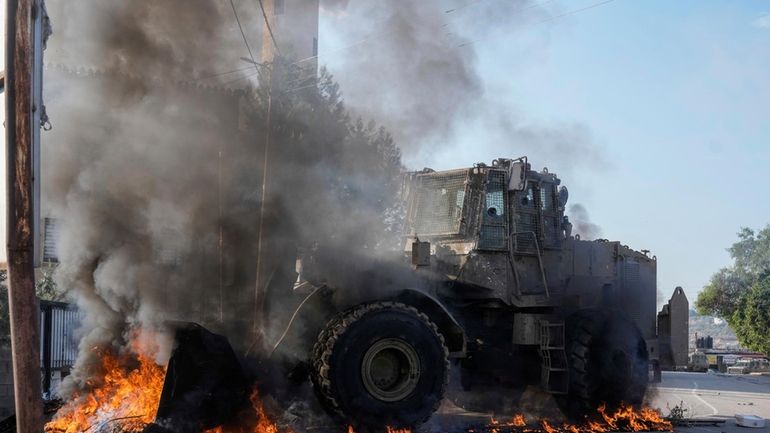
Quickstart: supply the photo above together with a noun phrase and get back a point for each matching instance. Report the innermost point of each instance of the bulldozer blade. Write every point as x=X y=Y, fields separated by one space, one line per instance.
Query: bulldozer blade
x=205 y=385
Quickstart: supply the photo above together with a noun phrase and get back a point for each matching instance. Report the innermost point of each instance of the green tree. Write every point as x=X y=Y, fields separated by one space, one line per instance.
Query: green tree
x=721 y=295
x=45 y=287
x=325 y=167
x=739 y=292
x=751 y=320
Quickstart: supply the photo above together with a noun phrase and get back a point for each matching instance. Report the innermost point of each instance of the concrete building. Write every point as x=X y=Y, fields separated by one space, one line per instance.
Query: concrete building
x=294 y=25
x=674 y=331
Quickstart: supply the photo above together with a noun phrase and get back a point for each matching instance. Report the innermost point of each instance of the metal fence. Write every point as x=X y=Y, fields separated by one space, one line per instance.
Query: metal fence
x=58 y=343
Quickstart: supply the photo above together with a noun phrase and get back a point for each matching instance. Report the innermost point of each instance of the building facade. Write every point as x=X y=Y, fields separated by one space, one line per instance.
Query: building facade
x=294 y=25
x=674 y=331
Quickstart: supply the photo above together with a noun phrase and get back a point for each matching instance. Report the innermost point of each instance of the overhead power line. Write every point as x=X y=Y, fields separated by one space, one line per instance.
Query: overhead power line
x=555 y=17
x=244 y=77
x=243 y=34
x=219 y=74
x=573 y=12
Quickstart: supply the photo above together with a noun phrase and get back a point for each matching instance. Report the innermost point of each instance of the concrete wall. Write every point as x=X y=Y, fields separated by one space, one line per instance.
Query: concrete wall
x=680 y=327
x=674 y=331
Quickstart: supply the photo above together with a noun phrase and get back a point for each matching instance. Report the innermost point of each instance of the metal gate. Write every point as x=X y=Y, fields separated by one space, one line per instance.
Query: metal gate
x=58 y=343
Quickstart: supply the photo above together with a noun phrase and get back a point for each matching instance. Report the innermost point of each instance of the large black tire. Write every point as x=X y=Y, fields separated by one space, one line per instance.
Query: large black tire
x=608 y=363
x=380 y=364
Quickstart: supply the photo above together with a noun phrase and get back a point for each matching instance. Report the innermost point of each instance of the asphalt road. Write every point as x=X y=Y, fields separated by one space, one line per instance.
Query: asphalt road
x=713 y=395
x=703 y=395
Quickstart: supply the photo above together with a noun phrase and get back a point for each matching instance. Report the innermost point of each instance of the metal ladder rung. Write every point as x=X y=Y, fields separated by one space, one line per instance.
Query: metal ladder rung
x=554 y=357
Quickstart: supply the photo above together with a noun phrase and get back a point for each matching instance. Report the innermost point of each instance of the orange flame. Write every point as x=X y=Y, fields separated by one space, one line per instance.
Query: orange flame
x=258 y=422
x=128 y=395
x=518 y=420
x=547 y=427
x=625 y=418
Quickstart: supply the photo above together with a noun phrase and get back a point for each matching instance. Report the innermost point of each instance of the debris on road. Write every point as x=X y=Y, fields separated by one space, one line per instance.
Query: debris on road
x=752 y=421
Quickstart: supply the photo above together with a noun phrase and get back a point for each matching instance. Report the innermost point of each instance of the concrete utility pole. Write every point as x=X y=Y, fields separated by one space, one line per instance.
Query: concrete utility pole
x=268 y=12
x=260 y=321
x=25 y=339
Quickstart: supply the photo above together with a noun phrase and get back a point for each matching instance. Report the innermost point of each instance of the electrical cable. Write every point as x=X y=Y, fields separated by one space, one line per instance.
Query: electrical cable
x=243 y=34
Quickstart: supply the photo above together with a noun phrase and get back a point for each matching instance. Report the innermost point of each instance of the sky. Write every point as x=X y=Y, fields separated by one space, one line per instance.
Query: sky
x=675 y=95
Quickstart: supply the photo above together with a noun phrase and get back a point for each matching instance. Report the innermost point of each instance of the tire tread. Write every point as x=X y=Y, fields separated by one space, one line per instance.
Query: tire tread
x=324 y=347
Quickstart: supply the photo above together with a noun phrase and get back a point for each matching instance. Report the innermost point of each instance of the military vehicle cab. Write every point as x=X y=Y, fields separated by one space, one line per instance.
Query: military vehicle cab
x=520 y=281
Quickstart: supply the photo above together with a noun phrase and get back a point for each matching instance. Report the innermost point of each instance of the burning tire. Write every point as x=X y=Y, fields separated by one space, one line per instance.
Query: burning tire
x=608 y=363
x=380 y=364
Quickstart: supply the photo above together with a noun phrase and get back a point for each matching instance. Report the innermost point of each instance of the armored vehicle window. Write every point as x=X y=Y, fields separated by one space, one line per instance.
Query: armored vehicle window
x=547 y=197
x=527 y=198
x=493 y=233
x=494 y=199
x=439 y=204
x=551 y=216
x=528 y=219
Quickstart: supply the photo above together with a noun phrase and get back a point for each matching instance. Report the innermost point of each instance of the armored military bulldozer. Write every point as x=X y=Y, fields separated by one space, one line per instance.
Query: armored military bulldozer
x=492 y=285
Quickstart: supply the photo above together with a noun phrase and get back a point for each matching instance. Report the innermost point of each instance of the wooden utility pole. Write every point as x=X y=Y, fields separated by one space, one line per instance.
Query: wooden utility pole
x=25 y=339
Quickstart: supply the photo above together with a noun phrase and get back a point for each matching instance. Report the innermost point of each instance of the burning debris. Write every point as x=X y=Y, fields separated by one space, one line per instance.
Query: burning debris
x=126 y=392
x=625 y=419
x=125 y=400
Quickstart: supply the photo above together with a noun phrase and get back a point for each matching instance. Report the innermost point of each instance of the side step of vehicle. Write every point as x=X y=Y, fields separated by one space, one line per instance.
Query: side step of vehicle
x=554 y=370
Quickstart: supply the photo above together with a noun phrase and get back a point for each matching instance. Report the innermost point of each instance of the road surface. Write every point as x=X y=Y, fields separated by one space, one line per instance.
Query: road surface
x=714 y=396
x=703 y=395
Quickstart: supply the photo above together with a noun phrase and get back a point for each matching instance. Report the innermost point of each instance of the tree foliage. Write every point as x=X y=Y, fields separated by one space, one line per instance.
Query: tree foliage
x=325 y=167
x=751 y=320
x=741 y=293
x=45 y=289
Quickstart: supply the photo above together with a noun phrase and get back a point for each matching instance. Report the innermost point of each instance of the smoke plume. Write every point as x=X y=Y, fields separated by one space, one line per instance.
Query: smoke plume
x=582 y=222
x=156 y=180
x=430 y=91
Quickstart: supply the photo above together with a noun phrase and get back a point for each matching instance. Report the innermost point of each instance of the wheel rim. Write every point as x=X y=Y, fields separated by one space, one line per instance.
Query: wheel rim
x=390 y=369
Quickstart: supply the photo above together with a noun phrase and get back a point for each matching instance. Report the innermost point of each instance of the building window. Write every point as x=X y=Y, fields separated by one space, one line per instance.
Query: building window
x=279 y=7
x=50 y=241
x=315 y=46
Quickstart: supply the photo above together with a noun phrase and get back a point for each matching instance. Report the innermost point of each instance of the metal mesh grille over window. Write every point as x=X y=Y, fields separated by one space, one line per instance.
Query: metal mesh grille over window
x=527 y=219
x=493 y=233
x=440 y=204
x=551 y=217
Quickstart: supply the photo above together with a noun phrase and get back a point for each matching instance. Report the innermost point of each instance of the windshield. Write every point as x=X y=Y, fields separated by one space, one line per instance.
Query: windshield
x=439 y=204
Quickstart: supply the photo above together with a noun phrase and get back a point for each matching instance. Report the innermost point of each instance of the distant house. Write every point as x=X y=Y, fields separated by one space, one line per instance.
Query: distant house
x=674 y=331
